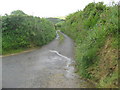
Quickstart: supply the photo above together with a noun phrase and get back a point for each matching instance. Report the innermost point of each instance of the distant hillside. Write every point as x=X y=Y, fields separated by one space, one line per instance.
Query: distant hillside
x=55 y=20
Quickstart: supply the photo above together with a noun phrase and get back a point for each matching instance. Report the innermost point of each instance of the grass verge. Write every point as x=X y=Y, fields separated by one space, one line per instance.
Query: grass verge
x=61 y=39
x=17 y=51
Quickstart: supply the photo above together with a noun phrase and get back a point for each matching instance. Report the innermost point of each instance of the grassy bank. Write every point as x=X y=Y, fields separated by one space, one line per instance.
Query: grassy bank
x=61 y=37
x=95 y=32
x=21 y=31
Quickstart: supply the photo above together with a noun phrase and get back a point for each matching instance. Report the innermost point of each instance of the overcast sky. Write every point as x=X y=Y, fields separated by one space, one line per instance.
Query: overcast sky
x=45 y=8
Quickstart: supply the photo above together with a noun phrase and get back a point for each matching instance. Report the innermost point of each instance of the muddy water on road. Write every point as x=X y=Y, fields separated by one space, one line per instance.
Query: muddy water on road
x=52 y=66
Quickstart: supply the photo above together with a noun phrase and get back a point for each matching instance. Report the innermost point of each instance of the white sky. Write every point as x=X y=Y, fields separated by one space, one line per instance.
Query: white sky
x=45 y=8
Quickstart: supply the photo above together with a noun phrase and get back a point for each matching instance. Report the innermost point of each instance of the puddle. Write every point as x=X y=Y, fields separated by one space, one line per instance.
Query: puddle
x=69 y=68
x=57 y=35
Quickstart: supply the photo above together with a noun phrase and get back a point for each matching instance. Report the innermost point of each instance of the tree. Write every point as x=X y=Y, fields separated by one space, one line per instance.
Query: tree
x=18 y=12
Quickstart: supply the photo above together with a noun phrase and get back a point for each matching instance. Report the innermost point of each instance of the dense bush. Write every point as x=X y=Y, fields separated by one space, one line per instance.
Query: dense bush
x=23 y=31
x=89 y=29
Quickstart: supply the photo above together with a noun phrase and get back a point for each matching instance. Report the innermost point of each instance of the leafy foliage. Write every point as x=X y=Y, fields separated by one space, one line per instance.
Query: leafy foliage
x=89 y=29
x=23 y=31
x=17 y=12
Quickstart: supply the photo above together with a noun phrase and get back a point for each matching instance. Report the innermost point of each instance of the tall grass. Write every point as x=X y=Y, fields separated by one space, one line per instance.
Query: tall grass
x=90 y=29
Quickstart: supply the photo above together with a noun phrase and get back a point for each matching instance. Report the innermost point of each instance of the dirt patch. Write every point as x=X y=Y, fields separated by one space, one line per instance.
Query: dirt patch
x=105 y=70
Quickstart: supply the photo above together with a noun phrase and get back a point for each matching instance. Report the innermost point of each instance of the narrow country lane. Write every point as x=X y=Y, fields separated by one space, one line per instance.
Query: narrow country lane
x=51 y=66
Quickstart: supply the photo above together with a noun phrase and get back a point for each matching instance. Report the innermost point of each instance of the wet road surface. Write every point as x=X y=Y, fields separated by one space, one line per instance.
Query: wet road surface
x=51 y=66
